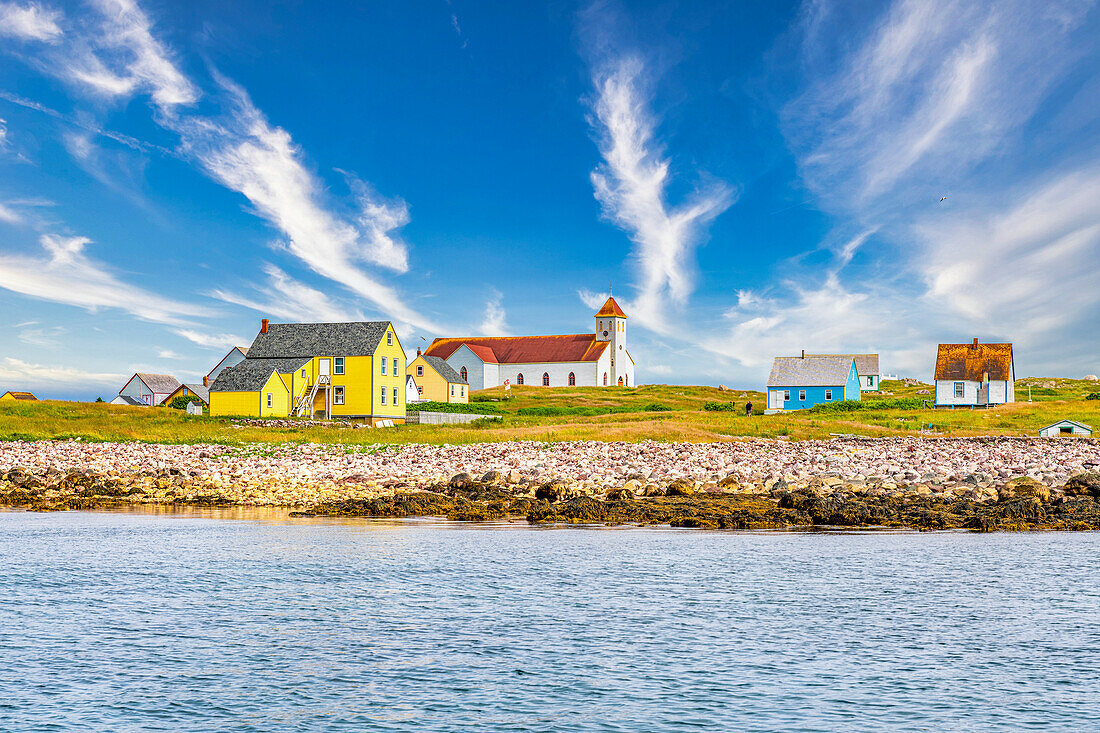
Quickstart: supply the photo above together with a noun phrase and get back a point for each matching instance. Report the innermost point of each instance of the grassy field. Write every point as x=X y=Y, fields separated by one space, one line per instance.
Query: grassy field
x=656 y=412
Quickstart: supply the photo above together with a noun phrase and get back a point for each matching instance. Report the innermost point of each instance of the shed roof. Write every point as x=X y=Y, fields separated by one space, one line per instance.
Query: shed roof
x=866 y=364
x=158 y=383
x=526 y=349
x=444 y=369
x=128 y=400
x=1067 y=422
x=251 y=374
x=20 y=396
x=359 y=338
x=970 y=362
x=203 y=393
x=810 y=371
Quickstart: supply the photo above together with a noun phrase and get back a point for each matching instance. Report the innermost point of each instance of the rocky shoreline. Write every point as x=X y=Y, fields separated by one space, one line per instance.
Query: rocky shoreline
x=979 y=484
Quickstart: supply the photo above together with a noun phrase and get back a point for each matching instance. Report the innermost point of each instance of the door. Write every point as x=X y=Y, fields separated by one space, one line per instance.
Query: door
x=774 y=400
x=324 y=366
x=983 y=394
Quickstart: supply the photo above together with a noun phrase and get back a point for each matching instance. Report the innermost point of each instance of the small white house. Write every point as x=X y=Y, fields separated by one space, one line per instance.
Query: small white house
x=1066 y=429
x=146 y=389
x=974 y=375
x=412 y=392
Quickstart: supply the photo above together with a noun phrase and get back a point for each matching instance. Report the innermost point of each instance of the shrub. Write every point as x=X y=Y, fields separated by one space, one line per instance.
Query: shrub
x=720 y=406
x=656 y=407
x=181 y=402
x=904 y=403
x=452 y=407
x=1093 y=396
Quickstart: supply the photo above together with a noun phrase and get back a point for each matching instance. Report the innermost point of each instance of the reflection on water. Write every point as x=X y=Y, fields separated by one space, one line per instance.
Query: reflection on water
x=204 y=619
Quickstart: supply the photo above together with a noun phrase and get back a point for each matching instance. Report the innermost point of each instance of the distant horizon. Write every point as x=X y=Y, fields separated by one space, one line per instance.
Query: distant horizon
x=749 y=180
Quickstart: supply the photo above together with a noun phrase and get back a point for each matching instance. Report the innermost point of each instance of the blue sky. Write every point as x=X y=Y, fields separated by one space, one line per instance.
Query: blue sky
x=754 y=178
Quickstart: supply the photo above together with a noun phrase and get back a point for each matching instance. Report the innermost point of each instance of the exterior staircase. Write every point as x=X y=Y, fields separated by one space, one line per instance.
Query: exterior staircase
x=305 y=402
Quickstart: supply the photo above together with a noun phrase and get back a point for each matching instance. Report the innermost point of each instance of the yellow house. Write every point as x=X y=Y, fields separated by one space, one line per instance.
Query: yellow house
x=352 y=371
x=18 y=396
x=196 y=392
x=437 y=380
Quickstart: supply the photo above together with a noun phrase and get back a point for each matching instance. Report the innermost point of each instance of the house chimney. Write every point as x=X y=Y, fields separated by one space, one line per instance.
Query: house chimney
x=206 y=381
x=418 y=351
x=975 y=344
x=263 y=326
x=803 y=353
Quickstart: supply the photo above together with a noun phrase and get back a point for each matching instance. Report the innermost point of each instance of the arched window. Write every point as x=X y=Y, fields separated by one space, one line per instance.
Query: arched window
x=464 y=374
x=545 y=379
x=572 y=379
x=605 y=379
x=620 y=381
x=519 y=378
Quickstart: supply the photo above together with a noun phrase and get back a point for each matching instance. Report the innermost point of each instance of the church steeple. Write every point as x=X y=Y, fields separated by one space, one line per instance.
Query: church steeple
x=611 y=326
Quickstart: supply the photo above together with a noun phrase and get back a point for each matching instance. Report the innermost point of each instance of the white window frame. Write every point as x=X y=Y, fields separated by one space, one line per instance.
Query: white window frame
x=395 y=365
x=269 y=400
x=389 y=338
x=828 y=395
x=338 y=365
x=452 y=390
x=420 y=370
x=383 y=365
x=303 y=372
x=786 y=395
x=383 y=395
x=960 y=390
x=801 y=395
x=396 y=401
x=462 y=391
x=338 y=395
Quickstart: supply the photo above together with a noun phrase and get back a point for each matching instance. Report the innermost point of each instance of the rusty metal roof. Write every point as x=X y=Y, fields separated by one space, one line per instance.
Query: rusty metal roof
x=610 y=308
x=20 y=396
x=971 y=362
x=526 y=349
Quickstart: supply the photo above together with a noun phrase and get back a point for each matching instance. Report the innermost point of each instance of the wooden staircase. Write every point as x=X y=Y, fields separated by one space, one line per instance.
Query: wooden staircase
x=305 y=402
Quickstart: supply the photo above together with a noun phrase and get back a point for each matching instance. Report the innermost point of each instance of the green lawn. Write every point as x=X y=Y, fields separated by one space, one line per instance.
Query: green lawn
x=656 y=412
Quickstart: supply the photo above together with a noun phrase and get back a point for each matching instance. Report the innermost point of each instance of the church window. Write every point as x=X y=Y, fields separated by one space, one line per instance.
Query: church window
x=519 y=378
x=620 y=381
x=572 y=379
x=545 y=379
x=463 y=373
x=605 y=379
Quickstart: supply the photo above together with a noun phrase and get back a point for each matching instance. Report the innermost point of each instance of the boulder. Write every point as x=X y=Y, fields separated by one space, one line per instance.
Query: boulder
x=1084 y=484
x=460 y=480
x=1023 y=487
x=680 y=487
x=490 y=477
x=621 y=494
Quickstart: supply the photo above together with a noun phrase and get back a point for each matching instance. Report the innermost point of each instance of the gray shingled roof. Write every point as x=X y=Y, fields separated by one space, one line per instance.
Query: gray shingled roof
x=810 y=371
x=201 y=392
x=445 y=370
x=251 y=374
x=127 y=399
x=866 y=364
x=160 y=383
x=318 y=339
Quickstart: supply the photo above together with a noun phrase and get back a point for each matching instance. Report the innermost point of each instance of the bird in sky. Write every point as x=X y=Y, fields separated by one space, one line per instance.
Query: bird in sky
x=942 y=199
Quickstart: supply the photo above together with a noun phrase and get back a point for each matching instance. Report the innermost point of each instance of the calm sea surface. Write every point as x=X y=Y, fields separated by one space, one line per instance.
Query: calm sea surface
x=253 y=622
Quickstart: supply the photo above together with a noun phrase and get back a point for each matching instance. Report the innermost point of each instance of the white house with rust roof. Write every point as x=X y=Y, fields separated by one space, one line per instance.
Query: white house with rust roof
x=974 y=375
x=146 y=389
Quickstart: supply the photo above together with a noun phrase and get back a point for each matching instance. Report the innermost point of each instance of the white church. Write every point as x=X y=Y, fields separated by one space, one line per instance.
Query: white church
x=582 y=360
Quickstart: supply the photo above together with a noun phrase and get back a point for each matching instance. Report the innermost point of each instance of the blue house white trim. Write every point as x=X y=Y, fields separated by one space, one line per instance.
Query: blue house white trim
x=800 y=382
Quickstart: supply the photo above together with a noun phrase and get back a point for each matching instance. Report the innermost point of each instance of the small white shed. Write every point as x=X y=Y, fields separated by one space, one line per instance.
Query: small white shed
x=1066 y=429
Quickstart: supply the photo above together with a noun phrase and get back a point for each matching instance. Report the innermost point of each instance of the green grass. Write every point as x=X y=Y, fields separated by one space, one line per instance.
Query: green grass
x=655 y=412
x=472 y=409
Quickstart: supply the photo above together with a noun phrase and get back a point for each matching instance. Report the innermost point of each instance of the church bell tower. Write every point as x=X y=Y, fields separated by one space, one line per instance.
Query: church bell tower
x=611 y=327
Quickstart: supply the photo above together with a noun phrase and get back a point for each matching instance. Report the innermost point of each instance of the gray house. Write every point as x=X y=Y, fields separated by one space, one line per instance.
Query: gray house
x=866 y=368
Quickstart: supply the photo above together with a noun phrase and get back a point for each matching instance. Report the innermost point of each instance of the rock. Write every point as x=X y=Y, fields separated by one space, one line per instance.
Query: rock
x=723 y=388
x=460 y=480
x=490 y=477
x=514 y=477
x=680 y=487
x=632 y=485
x=622 y=494
x=1023 y=488
x=1085 y=484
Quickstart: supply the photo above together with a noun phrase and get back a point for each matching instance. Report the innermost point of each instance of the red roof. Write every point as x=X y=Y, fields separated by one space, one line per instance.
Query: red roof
x=524 y=349
x=610 y=308
x=973 y=361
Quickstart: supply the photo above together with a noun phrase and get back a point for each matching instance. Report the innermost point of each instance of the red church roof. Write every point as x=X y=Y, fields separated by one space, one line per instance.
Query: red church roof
x=610 y=308
x=524 y=349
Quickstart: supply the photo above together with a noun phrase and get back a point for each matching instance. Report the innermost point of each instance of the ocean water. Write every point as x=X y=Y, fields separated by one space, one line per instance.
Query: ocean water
x=219 y=621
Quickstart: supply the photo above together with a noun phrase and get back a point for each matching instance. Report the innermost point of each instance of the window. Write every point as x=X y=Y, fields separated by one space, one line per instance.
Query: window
x=464 y=374
x=452 y=390
x=420 y=370
x=620 y=381
x=545 y=379
x=572 y=379
x=419 y=390
x=303 y=373
x=801 y=395
x=269 y=399
x=462 y=391
x=519 y=378
x=960 y=389
x=396 y=367
x=383 y=395
x=338 y=365
x=870 y=381
x=383 y=365
x=389 y=338
x=395 y=400
x=786 y=395
x=828 y=394
x=605 y=379
x=338 y=396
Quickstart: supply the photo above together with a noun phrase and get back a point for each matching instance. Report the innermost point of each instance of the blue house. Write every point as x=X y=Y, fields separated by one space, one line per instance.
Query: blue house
x=800 y=382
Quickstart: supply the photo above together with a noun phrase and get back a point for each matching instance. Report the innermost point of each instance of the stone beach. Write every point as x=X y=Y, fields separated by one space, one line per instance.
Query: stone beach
x=778 y=483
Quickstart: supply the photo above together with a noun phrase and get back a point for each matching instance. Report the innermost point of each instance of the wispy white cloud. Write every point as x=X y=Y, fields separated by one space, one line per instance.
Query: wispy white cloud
x=43 y=337
x=167 y=354
x=631 y=184
x=8 y=215
x=29 y=375
x=495 y=322
x=66 y=274
x=289 y=299
x=30 y=22
x=209 y=340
